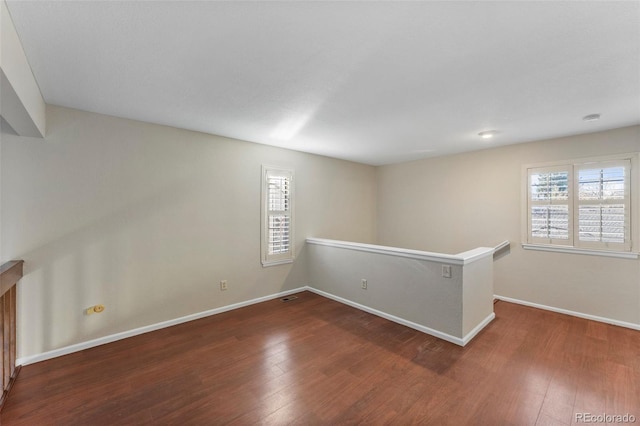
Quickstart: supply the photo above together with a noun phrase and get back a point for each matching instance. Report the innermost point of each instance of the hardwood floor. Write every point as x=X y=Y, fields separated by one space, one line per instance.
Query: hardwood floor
x=316 y=361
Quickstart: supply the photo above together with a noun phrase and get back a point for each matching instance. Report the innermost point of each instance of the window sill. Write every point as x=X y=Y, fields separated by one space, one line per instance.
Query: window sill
x=574 y=250
x=276 y=262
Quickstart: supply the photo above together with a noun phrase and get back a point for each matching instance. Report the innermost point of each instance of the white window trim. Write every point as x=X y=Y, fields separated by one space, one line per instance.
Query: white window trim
x=576 y=250
x=279 y=259
x=634 y=221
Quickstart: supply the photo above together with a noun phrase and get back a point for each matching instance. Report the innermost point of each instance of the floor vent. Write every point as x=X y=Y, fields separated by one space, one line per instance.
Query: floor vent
x=289 y=298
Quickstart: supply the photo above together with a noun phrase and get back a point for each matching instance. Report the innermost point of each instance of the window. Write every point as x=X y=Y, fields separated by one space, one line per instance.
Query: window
x=582 y=205
x=603 y=205
x=549 y=206
x=277 y=217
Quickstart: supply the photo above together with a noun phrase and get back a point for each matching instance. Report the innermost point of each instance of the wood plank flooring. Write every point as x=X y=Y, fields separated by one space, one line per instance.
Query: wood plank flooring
x=316 y=361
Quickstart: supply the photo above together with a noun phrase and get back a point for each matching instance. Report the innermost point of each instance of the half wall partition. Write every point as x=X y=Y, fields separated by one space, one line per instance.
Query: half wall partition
x=447 y=296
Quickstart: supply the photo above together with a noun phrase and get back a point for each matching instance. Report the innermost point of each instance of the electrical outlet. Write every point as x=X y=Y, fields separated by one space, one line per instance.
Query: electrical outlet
x=446 y=271
x=223 y=285
x=363 y=283
x=95 y=309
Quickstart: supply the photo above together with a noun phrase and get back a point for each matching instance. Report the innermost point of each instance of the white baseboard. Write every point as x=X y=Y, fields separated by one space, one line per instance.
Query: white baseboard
x=141 y=330
x=478 y=328
x=444 y=336
x=572 y=313
x=30 y=359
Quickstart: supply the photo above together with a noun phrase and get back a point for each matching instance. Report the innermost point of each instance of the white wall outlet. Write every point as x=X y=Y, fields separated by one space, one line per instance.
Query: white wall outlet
x=363 y=283
x=446 y=271
x=223 y=285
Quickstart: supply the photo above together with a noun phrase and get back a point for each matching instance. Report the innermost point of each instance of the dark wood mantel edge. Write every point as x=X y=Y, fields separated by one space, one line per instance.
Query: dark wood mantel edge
x=10 y=273
x=12 y=381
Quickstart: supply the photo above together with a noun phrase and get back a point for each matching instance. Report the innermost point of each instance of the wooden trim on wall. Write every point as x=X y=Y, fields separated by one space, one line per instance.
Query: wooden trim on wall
x=10 y=274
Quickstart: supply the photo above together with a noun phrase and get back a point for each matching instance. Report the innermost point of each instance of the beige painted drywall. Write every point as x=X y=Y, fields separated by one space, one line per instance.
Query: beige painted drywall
x=2 y=129
x=22 y=105
x=147 y=219
x=477 y=293
x=458 y=202
x=410 y=289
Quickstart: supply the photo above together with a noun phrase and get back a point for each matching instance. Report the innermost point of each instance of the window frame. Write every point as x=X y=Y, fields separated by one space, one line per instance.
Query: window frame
x=628 y=249
x=279 y=258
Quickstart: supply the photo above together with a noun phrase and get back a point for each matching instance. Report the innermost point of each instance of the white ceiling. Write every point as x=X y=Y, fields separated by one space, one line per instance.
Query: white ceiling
x=373 y=82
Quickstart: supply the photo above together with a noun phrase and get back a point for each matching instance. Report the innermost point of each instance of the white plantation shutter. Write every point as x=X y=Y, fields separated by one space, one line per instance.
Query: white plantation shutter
x=603 y=205
x=581 y=205
x=550 y=211
x=277 y=218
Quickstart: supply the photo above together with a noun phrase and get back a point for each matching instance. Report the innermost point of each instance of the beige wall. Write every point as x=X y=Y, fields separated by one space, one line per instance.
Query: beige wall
x=147 y=220
x=455 y=203
x=3 y=127
x=408 y=287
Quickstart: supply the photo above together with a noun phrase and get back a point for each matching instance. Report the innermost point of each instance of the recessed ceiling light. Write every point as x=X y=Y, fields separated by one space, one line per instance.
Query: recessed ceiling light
x=591 y=117
x=488 y=134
